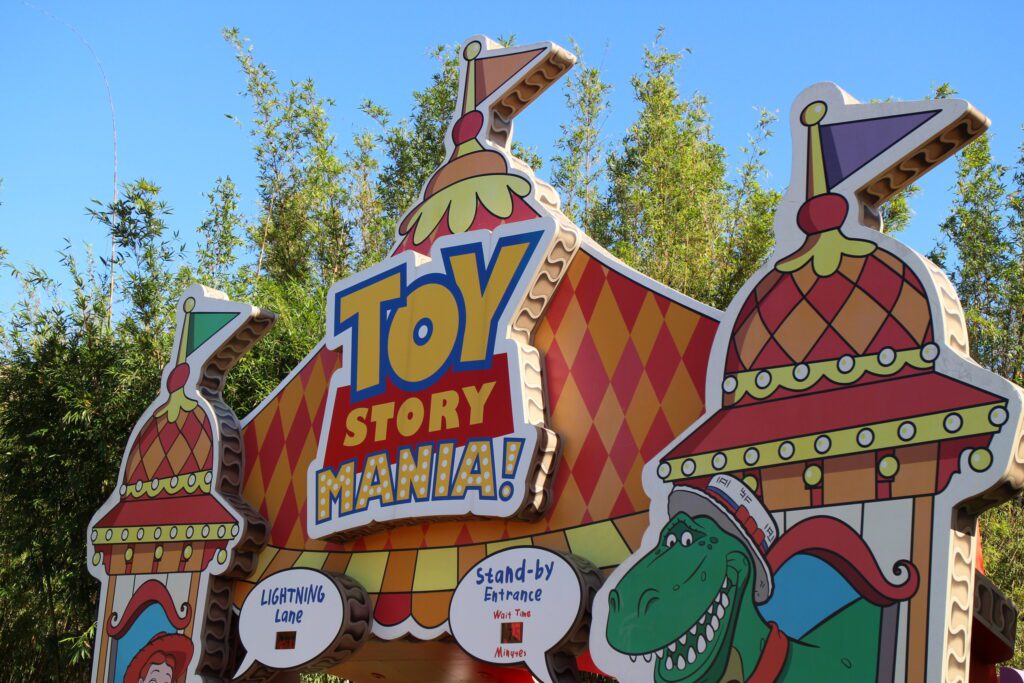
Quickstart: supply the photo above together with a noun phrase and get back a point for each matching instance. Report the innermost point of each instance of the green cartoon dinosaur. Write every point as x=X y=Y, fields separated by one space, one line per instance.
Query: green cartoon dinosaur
x=690 y=604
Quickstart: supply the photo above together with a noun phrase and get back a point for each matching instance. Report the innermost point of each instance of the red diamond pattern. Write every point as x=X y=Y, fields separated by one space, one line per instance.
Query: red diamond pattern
x=624 y=369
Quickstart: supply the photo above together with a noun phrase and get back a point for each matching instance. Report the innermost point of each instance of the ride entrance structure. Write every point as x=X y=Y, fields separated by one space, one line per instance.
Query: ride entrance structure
x=513 y=457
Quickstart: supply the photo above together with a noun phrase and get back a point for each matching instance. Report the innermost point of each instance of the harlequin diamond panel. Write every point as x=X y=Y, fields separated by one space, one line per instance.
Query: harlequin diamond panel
x=625 y=372
x=868 y=304
x=167 y=449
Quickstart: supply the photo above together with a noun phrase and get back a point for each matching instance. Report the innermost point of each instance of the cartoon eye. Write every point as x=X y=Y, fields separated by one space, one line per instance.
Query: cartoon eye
x=686 y=538
x=670 y=540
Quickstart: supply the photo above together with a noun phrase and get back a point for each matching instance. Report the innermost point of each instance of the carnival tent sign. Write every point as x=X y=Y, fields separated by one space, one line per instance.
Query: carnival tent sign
x=513 y=456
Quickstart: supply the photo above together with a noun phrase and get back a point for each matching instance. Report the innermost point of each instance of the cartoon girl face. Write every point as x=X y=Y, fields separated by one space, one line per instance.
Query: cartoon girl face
x=164 y=659
x=158 y=673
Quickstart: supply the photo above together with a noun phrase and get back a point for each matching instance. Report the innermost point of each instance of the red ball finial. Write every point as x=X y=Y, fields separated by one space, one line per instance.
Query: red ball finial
x=467 y=127
x=821 y=213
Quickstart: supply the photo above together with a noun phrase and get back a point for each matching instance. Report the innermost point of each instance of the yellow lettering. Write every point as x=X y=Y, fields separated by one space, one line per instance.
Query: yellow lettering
x=410 y=416
x=476 y=471
x=423 y=333
x=335 y=487
x=414 y=473
x=482 y=303
x=443 y=408
x=445 y=463
x=376 y=481
x=355 y=426
x=477 y=398
x=363 y=307
x=380 y=415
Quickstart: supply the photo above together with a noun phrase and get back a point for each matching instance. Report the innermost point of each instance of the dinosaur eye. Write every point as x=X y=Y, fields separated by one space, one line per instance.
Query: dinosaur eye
x=670 y=540
x=686 y=538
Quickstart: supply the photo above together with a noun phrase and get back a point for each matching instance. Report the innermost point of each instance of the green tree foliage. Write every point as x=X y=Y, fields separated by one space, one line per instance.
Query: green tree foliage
x=982 y=249
x=300 y=233
x=414 y=147
x=578 y=168
x=670 y=210
x=980 y=252
x=219 y=235
x=748 y=232
x=667 y=188
x=365 y=206
x=71 y=389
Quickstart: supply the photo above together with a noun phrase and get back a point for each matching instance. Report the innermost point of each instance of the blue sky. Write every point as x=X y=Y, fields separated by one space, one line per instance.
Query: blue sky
x=173 y=79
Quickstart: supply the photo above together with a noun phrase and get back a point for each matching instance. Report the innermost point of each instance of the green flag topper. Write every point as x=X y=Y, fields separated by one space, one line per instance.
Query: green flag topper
x=202 y=326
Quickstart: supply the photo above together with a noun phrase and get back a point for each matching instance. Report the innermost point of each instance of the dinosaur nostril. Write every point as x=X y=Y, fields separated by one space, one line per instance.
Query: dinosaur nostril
x=613 y=601
x=647 y=600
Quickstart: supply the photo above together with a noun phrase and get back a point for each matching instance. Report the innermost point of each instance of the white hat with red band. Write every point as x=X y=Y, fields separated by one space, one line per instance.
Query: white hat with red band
x=739 y=513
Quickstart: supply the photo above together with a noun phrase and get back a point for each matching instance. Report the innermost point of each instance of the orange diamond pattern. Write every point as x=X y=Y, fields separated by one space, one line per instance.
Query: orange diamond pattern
x=625 y=370
x=868 y=304
x=167 y=449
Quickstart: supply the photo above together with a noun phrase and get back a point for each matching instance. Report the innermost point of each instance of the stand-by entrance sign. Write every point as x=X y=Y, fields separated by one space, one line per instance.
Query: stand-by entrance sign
x=512 y=455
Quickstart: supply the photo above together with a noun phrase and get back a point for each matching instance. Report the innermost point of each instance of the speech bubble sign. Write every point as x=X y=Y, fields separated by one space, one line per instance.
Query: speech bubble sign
x=518 y=606
x=290 y=618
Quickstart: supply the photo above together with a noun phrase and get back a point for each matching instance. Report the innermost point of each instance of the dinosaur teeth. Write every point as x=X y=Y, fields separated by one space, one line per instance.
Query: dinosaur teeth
x=707 y=625
x=632 y=658
x=647 y=657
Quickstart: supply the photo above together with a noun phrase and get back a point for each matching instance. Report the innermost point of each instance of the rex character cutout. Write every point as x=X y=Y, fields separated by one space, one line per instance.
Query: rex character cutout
x=841 y=398
x=177 y=525
x=691 y=604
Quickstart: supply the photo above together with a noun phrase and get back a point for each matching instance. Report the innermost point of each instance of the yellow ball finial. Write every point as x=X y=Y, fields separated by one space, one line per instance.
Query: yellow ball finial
x=472 y=50
x=813 y=113
x=888 y=466
x=190 y=303
x=812 y=475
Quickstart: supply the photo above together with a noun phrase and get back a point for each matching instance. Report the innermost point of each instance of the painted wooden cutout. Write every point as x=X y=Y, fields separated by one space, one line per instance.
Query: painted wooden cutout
x=437 y=409
x=175 y=531
x=814 y=466
x=817 y=522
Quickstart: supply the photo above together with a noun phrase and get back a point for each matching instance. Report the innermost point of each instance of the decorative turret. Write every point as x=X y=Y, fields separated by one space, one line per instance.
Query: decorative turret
x=848 y=442
x=481 y=186
x=166 y=518
x=838 y=333
x=177 y=521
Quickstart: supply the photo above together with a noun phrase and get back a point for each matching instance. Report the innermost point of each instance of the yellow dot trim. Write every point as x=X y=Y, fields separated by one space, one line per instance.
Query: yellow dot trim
x=926 y=429
x=843 y=371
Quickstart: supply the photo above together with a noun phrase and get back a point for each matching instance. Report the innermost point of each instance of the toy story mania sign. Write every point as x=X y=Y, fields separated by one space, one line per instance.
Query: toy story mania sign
x=512 y=457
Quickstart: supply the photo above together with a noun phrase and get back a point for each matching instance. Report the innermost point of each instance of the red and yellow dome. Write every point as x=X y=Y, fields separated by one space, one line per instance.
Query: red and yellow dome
x=799 y=332
x=833 y=353
x=476 y=188
x=167 y=518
